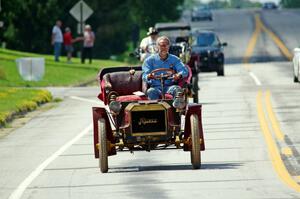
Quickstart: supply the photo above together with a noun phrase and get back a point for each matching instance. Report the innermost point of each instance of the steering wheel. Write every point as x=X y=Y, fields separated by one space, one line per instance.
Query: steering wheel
x=168 y=75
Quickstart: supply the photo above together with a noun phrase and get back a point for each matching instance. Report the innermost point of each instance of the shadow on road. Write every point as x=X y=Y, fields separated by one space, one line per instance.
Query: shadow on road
x=213 y=166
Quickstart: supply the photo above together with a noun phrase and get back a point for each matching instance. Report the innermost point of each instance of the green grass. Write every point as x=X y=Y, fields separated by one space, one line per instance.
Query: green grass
x=56 y=73
x=15 y=100
x=20 y=100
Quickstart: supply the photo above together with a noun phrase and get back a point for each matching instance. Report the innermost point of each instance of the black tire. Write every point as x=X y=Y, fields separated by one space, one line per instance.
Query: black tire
x=103 y=158
x=195 y=152
x=220 y=72
x=195 y=87
x=296 y=79
x=196 y=66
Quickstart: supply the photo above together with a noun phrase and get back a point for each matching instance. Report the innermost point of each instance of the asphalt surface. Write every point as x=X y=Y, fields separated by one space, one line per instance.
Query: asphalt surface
x=239 y=161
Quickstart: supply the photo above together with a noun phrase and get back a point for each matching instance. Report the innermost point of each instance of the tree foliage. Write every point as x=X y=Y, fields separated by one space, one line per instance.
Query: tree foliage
x=28 y=24
x=290 y=3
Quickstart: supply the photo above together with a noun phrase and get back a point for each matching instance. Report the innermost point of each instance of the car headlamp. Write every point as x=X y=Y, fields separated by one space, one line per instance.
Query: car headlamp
x=179 y=102
x=115 y=106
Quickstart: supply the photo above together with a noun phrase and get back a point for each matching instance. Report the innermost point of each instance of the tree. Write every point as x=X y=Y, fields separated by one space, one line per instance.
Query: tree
x=290 y=3
x=28 y=24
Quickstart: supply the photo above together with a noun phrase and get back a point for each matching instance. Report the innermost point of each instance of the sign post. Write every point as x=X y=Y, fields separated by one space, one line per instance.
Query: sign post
x=81 y=12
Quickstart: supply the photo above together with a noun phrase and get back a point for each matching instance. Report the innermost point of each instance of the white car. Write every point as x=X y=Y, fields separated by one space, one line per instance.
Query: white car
x=296 y=62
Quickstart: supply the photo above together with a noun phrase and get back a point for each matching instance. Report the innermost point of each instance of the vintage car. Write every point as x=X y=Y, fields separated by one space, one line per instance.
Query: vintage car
x=207 y=52
x=180 y=35
x=201 y=13
x=128 y=121
x=296 y=63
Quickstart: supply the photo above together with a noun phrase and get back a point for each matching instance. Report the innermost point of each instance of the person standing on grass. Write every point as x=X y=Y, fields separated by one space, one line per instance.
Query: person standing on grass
x=57 y=39
x=68 y=43
x=88 y=44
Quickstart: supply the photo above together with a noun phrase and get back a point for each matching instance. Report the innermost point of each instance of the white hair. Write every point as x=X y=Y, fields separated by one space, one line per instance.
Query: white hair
x=163 y=38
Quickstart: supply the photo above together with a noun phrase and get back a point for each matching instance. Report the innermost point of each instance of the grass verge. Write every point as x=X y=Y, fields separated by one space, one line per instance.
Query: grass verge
x=16 y=101
x=16 y=97
x=56 y=73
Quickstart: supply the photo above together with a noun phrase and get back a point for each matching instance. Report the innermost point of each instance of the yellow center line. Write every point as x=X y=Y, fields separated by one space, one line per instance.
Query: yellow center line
x=287 y=151
x=272 y=149
x=253 y=41
x=285 y=51
x=272 y=117
x=259 y=26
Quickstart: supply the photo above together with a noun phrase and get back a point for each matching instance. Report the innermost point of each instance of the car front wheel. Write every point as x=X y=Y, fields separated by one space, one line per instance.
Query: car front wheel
x=195 y=153
x=220 y=71
x=296 y=79
x=103 y=160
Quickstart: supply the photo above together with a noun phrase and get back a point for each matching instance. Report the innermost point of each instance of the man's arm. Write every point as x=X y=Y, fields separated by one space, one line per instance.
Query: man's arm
x=181 y=69
x=147 y=68
x=53 y=35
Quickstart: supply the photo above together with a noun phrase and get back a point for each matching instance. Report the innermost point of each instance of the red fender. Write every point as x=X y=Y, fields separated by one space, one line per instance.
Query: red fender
x=100 y=112
x=193 y=109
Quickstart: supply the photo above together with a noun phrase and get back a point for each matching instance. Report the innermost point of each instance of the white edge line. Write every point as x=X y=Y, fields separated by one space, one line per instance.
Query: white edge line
x=86 y=100
x=254 y=77
x=22 y=187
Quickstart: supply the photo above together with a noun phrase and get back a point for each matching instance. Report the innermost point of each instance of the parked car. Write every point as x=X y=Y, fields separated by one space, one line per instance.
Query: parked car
x=269 y=6
x=296 y=63
x=201 y=13
x=180 y=35
x=207 y=53
x=130 y=121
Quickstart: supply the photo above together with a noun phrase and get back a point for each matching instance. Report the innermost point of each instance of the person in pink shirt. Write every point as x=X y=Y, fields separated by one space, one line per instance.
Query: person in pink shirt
x=88 y=44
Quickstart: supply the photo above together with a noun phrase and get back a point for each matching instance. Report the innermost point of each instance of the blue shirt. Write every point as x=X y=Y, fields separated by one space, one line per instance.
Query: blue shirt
x=154 y=62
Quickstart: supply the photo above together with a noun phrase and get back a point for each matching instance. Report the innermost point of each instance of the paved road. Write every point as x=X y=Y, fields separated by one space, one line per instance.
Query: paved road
x=240 y=160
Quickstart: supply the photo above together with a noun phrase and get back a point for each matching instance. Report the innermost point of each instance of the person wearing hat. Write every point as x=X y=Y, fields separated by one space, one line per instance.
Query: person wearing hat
x=148 y=44
x=88 y=44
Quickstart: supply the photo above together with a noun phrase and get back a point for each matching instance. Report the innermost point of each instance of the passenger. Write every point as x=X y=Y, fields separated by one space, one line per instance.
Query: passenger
x=163 y=59
x=148 y=44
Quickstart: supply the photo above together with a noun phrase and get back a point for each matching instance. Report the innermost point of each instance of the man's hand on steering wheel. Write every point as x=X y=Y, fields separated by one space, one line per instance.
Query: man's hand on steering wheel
x=177 y=76
x=150 y=76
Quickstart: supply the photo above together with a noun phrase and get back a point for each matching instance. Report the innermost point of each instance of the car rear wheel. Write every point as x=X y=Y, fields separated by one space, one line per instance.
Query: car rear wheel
x=195 y=153
x=103 y=160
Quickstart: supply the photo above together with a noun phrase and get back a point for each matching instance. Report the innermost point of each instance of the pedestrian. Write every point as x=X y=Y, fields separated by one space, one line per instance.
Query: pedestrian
x=57 y=39
x=68 y=43
x=88 y=44
x=148 y=44
x=163 y=60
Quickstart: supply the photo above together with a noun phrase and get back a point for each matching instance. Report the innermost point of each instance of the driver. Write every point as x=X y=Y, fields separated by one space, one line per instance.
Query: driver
x=164 y=60
x=148 y=44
